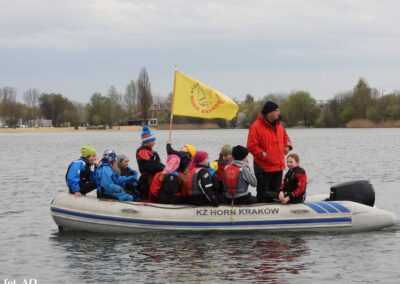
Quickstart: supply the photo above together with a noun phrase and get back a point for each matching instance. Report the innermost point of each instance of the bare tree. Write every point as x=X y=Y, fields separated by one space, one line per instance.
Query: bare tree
x=249 y=99
x=115 y=110
x=145 y=97
x=130 y=98
x=8 y=105
x=31 y=98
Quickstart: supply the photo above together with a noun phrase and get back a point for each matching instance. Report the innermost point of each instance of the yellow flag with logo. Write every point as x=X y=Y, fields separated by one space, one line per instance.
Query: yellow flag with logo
x=195 y=99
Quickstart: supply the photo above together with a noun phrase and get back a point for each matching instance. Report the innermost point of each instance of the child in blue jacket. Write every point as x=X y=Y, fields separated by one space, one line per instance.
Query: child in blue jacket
x=80 y=174
x=109 y=183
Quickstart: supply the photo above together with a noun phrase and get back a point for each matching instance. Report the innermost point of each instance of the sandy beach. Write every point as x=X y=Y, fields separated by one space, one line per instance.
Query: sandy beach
x=115 y=128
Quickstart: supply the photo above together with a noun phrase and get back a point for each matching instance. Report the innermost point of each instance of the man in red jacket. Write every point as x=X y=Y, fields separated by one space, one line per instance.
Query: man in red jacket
x=268 y=142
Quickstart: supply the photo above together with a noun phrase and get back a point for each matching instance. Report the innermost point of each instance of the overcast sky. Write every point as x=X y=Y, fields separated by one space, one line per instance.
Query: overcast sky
x=79 y=47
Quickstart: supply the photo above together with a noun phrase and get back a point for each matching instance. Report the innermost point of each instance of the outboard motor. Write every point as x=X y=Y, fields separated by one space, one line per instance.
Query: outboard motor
x=360 y=191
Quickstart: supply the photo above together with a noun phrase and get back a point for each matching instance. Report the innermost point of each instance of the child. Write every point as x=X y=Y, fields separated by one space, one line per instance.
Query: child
x=148 y=162
x=109 y=183
x=126 y=171
x=185 y=154
x=199 y=189
x=79 y=177
x=237 y=177
x=165 y=187
x=293 y=189
x=225 y=157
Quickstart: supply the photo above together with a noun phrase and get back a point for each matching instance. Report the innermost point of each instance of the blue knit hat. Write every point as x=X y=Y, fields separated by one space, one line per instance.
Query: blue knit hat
x=147 y=135
x=109 y=156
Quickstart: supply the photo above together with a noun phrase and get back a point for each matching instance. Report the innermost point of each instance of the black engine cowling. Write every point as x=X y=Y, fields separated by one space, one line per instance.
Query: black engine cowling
x=360 y=191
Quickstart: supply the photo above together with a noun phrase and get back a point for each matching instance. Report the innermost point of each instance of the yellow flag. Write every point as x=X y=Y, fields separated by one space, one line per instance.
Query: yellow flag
x=195 y=99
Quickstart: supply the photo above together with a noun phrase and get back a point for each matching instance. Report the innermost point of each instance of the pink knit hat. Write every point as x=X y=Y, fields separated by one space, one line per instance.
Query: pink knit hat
x=199 y=157
x=172 y=163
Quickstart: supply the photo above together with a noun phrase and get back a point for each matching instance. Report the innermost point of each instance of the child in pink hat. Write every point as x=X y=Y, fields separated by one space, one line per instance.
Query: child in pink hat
x=199 y=188
x=165 y=187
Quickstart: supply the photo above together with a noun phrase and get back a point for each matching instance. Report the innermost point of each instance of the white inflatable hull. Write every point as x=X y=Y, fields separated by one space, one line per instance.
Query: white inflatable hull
x=94 y=215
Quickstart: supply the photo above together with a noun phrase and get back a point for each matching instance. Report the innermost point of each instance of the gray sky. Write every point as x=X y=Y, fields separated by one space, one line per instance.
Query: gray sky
x=79 y=47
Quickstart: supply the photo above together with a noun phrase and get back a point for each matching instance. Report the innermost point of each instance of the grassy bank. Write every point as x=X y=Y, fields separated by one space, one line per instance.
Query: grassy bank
x=366 y=123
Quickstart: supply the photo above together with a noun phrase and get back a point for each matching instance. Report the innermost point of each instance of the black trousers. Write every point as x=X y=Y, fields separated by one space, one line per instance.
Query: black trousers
x=198 y=200
x=166 y=198
x=85 y=187
x=268 y=185
x=244 y=200
x=144 y=187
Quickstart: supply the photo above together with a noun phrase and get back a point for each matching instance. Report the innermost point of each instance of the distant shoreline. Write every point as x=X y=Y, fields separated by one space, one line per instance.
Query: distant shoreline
x=356 y=123
x=366 y=123
x=67 y=129
x=115 y=128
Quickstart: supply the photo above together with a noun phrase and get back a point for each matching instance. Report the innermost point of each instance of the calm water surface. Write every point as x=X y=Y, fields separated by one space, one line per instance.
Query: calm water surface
x=32 y=172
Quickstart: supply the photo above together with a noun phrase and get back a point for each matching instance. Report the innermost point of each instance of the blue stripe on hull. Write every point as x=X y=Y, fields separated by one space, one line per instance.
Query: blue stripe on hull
x=339 y=206
x=327 y=207
x=205 y=224
x=315 y=207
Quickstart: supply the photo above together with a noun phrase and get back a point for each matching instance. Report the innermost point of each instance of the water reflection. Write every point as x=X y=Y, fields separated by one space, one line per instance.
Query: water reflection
x=181 y=257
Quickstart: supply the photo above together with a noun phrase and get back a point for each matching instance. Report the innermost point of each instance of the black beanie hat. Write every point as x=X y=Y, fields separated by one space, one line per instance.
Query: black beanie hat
x=268 y=107
x=239 y=152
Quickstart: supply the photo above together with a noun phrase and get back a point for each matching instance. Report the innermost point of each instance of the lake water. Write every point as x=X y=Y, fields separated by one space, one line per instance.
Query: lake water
x=32 y=173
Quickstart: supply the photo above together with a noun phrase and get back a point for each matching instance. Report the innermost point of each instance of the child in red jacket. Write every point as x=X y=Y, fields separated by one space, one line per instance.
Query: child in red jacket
x=293 y=189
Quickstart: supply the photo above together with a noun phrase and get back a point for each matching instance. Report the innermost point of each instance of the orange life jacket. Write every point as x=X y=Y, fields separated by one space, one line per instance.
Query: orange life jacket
x=231 y=177
x=192 y=188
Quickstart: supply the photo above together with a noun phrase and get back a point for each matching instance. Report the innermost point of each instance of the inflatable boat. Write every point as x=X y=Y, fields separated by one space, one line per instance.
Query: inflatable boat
x=110 y=216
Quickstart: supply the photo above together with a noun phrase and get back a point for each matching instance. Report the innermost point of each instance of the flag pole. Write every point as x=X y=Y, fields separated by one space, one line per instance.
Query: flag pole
x=172 y=104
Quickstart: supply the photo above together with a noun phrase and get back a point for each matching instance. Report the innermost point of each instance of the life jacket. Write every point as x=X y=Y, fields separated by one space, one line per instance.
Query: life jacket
x=220 y=170
x=145 y=153
x=170 y=183
x=290 y=180
x=84 y=175
x=231 y=178
x=192 y=188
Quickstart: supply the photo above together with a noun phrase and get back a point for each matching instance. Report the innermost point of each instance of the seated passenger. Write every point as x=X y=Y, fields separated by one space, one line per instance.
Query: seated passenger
x=199 y=189
x=237 y=178
x=225 y=157
x=109 y=183
x=185 y=154
x=148 y=162
x=80 y=174
x=293 y=189
x=126 y=171
x=165 y=187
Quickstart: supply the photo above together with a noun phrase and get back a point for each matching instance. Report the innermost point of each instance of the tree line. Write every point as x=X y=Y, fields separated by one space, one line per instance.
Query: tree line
x=109 y=109
x=301 y=109
x=297 y=108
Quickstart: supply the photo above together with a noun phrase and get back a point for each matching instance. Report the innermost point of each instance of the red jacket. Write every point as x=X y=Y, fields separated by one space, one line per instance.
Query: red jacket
x=263 y=137
x=295 y=182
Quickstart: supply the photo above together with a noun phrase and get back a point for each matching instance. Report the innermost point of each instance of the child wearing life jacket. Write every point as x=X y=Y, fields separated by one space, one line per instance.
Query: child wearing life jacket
x=185 y=154
x=165 y=187
x=109 y=183
x=126 y=171
x=293 y=189
x=237 y=178
x=225 y=157
x=80 y=174
x=198 y=186
x=148 y=162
